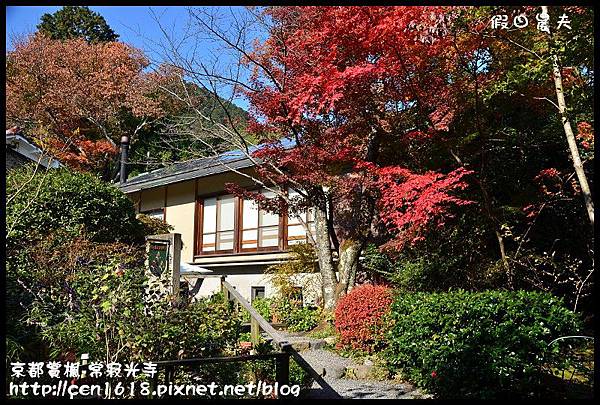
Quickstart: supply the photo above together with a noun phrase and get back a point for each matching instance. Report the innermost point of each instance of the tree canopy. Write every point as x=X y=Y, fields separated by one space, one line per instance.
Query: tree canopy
x=420 y=129
x=427 y=132
x=76 y=22
x=76 y=90
x=76 y=99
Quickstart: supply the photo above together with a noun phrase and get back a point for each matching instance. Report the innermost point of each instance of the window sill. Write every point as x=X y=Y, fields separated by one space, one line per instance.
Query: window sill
x=256 y=253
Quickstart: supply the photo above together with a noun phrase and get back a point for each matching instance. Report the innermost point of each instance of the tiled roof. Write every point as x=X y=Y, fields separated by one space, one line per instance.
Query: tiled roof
x=191 y=169
x=194 y=169
x=20 y=144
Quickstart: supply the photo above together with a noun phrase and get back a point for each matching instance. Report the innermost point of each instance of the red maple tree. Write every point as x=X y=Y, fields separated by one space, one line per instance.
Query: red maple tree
x=346 y=95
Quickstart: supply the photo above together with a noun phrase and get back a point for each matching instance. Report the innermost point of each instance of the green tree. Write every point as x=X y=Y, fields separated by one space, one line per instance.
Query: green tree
x=77 y=22
x=76 y=281
x=529 y=227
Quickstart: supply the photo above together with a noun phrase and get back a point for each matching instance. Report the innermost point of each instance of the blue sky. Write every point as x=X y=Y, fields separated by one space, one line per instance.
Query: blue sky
x=134 y=24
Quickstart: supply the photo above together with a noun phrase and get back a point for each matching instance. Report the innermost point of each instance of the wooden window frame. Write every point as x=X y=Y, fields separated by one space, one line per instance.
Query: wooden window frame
x=200 y=226
x=280 y=245
x=237 y=250
x=306 y=238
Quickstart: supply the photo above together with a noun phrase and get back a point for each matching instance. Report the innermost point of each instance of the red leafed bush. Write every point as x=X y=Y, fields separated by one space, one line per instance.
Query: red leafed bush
x=358 y=316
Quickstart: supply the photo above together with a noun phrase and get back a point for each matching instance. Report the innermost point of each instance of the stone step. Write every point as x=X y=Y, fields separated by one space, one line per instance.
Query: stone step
x=300 y=341
x=326 y=364
x=336 y=369
x=307 y=344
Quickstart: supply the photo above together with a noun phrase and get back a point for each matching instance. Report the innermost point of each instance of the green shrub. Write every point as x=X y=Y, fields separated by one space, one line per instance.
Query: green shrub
x=153 y=226
x=296 y=317
x=288 y=306
x=460 y=255
x=263 y=306
x=299 y=376
x=377 y=262
x=476 y=345
x=203 y=328
x=111 y=319
x=69 y=201
x=42 y=278
x=76 y=282
x=303 y=319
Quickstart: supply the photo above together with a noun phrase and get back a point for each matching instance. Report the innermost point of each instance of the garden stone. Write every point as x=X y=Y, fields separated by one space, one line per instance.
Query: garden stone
x=362 y=372
x=300 y=345
x=334 y=371
x=330 y=340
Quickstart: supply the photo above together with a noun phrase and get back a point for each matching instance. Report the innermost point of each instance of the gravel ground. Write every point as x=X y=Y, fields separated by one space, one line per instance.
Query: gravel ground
x=326 y=363
x=363 y=389
x=332 y=368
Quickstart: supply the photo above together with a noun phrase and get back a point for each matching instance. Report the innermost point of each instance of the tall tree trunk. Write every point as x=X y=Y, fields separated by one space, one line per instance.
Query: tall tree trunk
x=347 y=265
x=352 y=280
x=486 y=198
x=562 y=108
x=325 y=259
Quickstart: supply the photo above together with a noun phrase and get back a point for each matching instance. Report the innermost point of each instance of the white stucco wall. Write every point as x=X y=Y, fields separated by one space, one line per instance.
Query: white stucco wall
x=151 y=199
x=243 y=283
x=243 y=271
x=179 y=213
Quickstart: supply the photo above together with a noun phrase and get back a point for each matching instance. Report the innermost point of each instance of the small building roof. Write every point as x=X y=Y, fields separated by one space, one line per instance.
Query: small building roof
x=191 y=169
x=195 y=169
x=16 y=140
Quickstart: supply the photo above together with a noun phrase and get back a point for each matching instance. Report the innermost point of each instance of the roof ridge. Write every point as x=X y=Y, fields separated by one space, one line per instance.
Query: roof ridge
x=186 y=162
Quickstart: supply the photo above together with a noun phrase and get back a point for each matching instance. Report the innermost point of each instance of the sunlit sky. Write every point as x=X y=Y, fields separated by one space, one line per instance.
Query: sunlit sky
x=136 y=25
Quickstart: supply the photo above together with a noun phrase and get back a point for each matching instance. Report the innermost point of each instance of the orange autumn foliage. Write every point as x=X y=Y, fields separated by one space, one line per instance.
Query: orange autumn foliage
x=76 y=99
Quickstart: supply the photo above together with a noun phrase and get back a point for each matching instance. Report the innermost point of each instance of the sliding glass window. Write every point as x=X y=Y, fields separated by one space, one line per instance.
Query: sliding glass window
x=230 y=224
x=218 y=224
x=296 y=232
x=260 y=229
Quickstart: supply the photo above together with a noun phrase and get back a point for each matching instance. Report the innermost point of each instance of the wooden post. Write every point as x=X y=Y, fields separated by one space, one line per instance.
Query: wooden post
x=254 y=330
x=263 y=324
x=169 y=374
x=152 y=393
x=223 y=289
x=282 y=368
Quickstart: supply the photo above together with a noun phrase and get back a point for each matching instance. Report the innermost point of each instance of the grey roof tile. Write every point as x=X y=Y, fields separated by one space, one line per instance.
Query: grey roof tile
x=191 y=169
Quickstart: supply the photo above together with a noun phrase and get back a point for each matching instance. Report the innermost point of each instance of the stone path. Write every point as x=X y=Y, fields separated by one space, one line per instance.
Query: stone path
x=332 y=367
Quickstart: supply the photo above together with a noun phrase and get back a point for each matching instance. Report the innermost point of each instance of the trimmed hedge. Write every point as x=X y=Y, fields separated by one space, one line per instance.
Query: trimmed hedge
x=489 y=344
x=72 y=202
x=359 y=317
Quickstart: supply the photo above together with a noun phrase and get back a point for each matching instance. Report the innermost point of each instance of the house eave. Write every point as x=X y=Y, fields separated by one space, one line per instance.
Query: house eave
x=23 y=147
x=132 y=186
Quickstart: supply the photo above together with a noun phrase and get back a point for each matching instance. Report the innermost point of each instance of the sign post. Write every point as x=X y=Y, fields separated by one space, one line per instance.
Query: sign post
x=163 y=254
